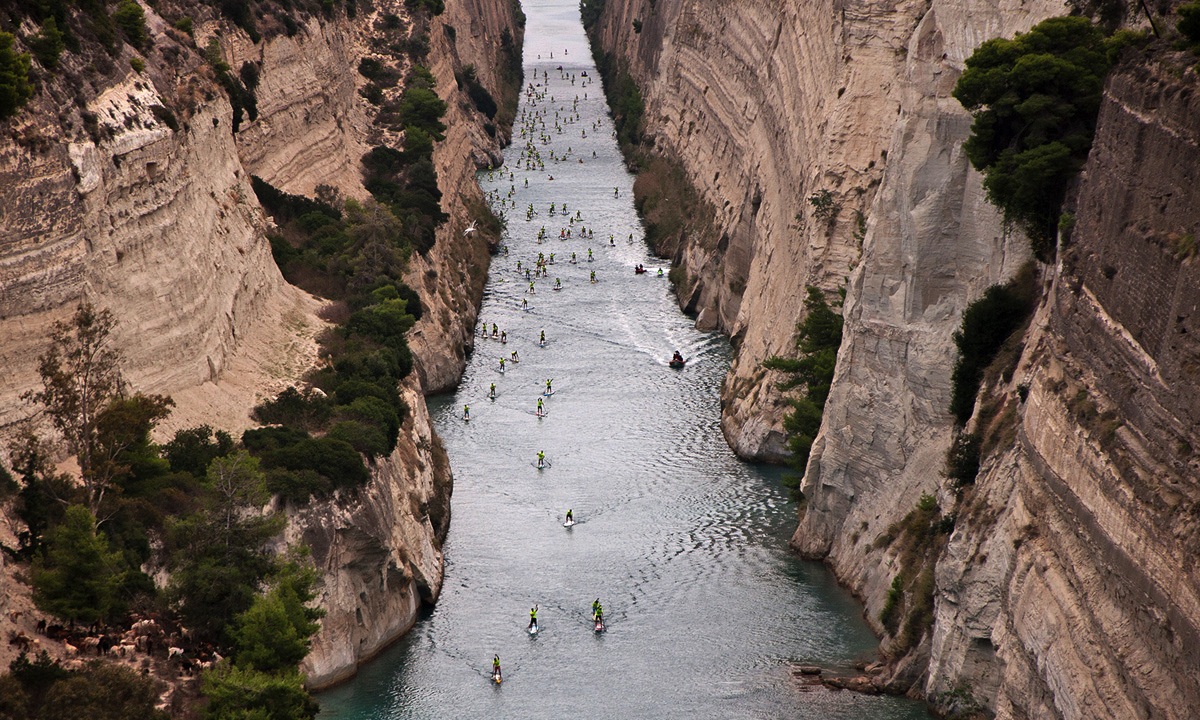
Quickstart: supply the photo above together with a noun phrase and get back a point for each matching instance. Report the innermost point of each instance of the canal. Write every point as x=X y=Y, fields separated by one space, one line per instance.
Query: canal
x=685 y=545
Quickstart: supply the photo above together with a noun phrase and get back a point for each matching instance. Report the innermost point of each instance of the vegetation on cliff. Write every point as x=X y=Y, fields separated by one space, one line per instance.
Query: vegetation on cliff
x=986 y=324
x=355 y=256
x=917 y=540
x=1035 y=99
x=193 y=506
x=15 y=85
x=818 y=338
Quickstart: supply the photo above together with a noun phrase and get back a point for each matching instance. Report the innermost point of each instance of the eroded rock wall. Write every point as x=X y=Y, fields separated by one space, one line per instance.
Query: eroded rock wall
x=161 y=226
x=933 y=244
x=379 y=550
x=1073 y=592
x=767 y=103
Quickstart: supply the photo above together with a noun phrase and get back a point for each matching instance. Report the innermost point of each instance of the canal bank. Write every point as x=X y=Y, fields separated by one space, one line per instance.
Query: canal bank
x=685 y=545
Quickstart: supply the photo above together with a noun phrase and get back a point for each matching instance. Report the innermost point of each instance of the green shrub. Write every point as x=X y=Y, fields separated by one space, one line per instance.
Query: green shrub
x=986 y=324
x=482 y=99
x=889 y=614
x=306 y=410
x=421 y=107
x=15 y=85
x=242 y=15
x=48 y=45
x=1035 y=99
x=79 y=577
x=434 y=7
x=364 y=438
x=130 y=17
x=183 y=24
x=962 y=459
x=237 y=693
x=818 y=338
x=590 y=12
x=1189 y=23
x=273 y=635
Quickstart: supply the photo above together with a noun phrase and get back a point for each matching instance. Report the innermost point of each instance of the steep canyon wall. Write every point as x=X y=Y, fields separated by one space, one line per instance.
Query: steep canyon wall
x=160 y=225
x=1066 y=589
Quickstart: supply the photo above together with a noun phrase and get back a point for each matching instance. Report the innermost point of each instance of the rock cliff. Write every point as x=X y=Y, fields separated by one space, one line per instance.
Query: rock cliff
x=1066 y=589
x=137 y=197
x=1073 y=592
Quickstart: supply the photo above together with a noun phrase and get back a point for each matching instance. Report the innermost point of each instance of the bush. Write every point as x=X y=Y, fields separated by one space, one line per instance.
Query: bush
x=273 y=635
x=130 y=17
x=307 y=411
x=1035 y=99
x=1189 y=23
x=590 y=12
x=962 y=459
x=421 y=107
x=366 y=439
x=48 y=44
x=483 y=100
x=104 y=692
x=15 y=85
x=818 y=338
x=434 y=7
x=192 y=449
x=236 y=693
x=986 y=324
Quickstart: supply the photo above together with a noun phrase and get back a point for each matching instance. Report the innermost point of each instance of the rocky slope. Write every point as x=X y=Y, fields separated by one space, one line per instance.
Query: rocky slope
x=1066 y=589
x=159 y=224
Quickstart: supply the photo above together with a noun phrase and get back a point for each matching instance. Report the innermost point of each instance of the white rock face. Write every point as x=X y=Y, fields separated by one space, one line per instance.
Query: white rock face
x=161 y=226
x=378 y=549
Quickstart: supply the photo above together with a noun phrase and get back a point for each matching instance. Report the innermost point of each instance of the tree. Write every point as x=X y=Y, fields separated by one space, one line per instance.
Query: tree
x=48 y=44
x=238 y=693
x=44 y=494
x=818 y=338
x=219 y=556
x=1035 y=99
x=103 y=692
x=192 y=449
x=130 y=17
x=274 y=634
x=15 y=87
x=79 y=378
x=1189 y=23
x=79 y=576
x=237 y=484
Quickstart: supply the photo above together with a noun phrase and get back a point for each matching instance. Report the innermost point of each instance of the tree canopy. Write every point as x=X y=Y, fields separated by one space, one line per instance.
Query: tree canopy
x=1035 y=99
x=15 y=87
x=80 y=576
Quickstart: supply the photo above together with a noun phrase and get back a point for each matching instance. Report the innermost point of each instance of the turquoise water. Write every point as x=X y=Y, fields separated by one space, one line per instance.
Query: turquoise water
x=685 y=545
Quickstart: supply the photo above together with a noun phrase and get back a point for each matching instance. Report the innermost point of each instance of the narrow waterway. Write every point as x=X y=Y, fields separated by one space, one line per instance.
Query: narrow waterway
x=685 y=546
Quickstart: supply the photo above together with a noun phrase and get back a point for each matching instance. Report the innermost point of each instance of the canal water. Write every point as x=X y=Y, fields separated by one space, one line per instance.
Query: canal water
x=683 y=544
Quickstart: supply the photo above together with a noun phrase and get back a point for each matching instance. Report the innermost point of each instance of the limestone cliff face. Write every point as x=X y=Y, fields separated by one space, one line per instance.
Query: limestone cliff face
x=932 y=245
x=379 y=549
x=160 y=225
x=453 y=274
x=767 y=103
x=1074 y=591
x=157 y=224
x=1068 y=588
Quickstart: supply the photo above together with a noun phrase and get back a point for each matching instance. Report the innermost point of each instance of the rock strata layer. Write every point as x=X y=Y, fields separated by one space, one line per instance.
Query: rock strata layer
x=1067 y=588
x=152 y=216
